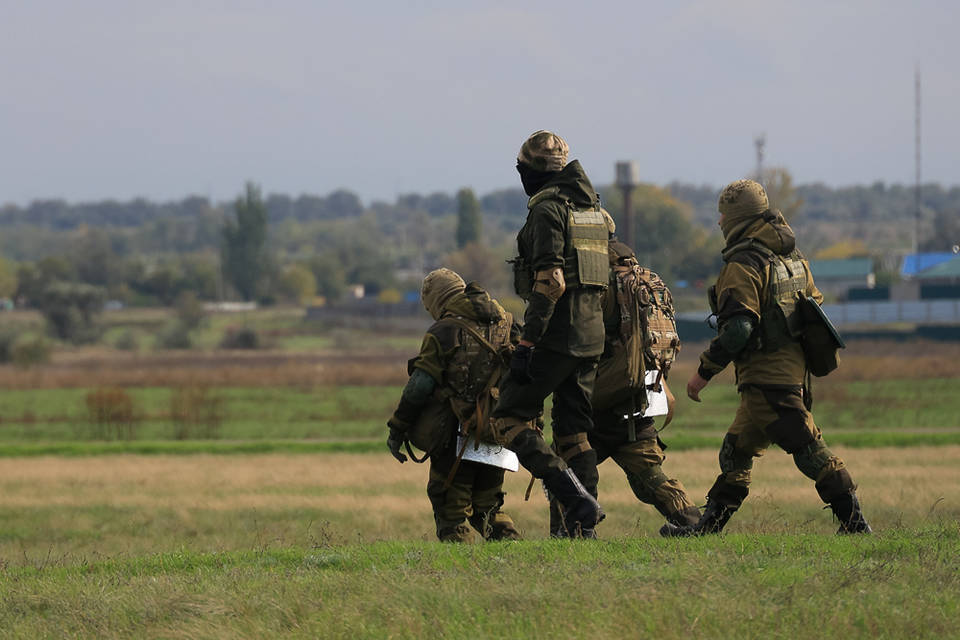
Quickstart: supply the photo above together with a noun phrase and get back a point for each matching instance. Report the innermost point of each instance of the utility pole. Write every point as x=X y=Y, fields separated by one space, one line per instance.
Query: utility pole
x=916 y=159
x=760 y=142
x=627 y=178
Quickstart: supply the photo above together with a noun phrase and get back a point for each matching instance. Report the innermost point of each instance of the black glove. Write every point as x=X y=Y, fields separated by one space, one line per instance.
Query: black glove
x=394 y=441
x=520 y=364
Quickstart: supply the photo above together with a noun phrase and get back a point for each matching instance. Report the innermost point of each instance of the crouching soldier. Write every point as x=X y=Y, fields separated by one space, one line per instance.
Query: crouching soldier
x=452 y=383
x=640 y=337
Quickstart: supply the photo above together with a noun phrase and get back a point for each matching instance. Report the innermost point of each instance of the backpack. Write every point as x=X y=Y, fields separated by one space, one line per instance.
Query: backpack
x=648 y=339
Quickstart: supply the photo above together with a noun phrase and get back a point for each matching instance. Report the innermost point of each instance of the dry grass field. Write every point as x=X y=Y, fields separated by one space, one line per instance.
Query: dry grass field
x=130 y=505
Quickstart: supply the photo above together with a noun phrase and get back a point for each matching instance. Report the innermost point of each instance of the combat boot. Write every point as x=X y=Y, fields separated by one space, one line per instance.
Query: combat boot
x=457 y=533
x=581 y=512
x=847 y=510
x=713 y=520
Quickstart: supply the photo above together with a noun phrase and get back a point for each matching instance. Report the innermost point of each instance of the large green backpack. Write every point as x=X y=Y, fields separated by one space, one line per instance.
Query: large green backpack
x=647 y=341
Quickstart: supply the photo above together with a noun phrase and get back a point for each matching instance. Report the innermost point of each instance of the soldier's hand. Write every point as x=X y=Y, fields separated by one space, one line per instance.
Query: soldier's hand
x=695 y=385
x=520 y=364
x=394 y=441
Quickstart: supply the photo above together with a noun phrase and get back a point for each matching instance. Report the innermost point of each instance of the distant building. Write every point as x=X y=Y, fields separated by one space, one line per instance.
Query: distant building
x=836 y=277
x=916 y=263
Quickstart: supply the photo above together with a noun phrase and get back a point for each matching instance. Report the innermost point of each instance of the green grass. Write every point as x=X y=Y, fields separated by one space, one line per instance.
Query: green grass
x=898 y=584
x=865 y=414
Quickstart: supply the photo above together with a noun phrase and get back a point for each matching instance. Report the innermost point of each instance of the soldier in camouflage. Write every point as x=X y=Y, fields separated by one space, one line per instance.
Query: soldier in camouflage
x=561 y=272
x=756 y=303
x=453 y=367
x=621 y=432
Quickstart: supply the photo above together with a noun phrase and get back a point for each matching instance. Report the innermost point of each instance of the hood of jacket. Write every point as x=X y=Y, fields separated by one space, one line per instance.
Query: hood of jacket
x=474 y=303
x=573 y=183
x=769 y=228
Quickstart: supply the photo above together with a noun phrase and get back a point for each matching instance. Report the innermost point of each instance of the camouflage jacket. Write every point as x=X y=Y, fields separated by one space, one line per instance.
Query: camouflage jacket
x=574 y=324
x=459 y=364
x=742 y=289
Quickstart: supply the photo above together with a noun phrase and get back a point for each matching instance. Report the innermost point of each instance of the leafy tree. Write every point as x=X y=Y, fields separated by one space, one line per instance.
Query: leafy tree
x=297 y=283
x=329 y=275
x=469 y=222
x=778 y=183
x=843 y=249
x=8 y=279
x=946 y=232
x=71 y=310
x=244 y=243
x=480 y=263
x=34 y=278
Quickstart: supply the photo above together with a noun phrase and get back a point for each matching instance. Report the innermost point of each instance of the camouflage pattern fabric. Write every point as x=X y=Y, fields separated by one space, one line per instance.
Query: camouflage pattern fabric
x=544 y=151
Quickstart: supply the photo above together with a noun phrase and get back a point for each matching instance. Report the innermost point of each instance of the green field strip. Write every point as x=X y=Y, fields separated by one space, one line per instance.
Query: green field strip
x=676 y=441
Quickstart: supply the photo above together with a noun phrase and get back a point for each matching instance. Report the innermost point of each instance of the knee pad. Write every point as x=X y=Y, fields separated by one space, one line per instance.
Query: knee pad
x=733 y=460
x=813 y=459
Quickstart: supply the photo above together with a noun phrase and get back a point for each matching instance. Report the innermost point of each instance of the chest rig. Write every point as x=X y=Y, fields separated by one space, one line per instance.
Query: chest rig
x=585 y=261
x=781 y=321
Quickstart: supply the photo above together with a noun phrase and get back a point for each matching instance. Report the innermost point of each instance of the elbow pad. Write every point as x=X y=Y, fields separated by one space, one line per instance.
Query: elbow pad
x=419 y=387
x=550 y=283
x=735 y=333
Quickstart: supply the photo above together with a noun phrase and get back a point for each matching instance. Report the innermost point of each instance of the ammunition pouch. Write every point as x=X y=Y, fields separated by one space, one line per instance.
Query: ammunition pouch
x=820 y=340
x=522 y=277
x=435 y=425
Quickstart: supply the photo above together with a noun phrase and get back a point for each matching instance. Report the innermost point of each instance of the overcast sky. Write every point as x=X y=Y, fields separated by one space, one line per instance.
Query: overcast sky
x=117 y=99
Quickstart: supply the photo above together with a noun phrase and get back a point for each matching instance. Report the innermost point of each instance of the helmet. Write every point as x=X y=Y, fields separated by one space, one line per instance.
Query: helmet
x=544 y=151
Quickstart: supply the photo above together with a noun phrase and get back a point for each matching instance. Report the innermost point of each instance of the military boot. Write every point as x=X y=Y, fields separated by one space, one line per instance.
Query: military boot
x=847 y=510
x=457 y=533
x=581 y=512
x=713 y=520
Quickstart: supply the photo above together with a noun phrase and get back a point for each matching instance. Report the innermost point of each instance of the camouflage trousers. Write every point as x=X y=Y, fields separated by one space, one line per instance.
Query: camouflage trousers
x=474 y=495
x=776 y=415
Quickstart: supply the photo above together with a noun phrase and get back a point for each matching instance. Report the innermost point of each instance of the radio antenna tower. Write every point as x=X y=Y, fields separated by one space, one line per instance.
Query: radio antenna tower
x=916 y=159
x=760 y=142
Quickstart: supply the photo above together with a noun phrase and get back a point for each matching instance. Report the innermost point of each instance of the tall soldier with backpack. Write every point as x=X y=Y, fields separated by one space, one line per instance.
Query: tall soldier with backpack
x=640 y=346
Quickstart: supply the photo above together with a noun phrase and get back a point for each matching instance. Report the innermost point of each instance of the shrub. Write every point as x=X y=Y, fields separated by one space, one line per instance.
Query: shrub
x=174 y=336
x=127 y=341
x=196 y=413
x=110 y=412
x=29 y=350
x=243 y=338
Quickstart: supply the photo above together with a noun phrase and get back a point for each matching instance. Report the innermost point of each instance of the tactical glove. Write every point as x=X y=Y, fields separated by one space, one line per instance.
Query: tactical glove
x=394 y=441
x=520 y=364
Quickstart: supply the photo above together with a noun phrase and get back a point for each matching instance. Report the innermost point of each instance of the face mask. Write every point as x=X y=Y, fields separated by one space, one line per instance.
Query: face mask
x=532 y=179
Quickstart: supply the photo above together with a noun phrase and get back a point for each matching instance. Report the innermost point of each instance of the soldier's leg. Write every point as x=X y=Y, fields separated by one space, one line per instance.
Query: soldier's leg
x=518 y=408
x=744 y=441
x=642 y=462
x=576 y=451
x=793 y=429
x=452 y=504
x=488 y=495
x=572 y=421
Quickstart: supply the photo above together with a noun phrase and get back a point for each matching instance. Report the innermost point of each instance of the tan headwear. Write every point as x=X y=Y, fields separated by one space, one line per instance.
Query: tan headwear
x=438 y=287
x=740 y=203
x=544 y=151
x=743 y=198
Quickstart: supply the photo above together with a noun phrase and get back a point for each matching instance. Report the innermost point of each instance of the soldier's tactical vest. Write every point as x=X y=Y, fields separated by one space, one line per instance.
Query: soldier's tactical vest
x=781 y=321
x=475 y=369
x=585 y=261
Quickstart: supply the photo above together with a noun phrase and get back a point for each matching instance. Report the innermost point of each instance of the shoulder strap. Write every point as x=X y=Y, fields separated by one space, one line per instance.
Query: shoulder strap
x=747 y=244
x=463 y=324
